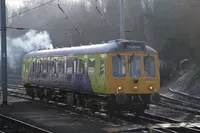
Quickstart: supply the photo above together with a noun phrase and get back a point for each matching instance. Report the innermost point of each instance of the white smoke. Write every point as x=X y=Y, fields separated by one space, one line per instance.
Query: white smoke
x=31 y=41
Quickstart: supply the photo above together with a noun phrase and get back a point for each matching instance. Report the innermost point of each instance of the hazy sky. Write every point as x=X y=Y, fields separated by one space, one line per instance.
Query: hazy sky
x=15 y=4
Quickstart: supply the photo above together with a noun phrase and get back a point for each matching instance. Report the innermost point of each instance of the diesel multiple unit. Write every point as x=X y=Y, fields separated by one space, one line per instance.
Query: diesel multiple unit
x=121 y=75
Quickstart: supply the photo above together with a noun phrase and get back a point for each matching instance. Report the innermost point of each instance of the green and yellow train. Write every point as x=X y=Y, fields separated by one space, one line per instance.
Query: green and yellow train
x=121 y=75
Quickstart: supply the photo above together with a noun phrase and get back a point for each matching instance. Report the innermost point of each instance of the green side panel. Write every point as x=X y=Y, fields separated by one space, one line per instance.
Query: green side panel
x=26 y=69
x=100 y=74
x=96 y=70
x=97 y=77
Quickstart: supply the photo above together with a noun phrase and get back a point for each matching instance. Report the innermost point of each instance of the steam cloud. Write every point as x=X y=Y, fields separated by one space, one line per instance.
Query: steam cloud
x=18 y=47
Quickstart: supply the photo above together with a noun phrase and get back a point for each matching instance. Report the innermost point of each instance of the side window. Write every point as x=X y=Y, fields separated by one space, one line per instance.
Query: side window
x=75 y=65
x=39 y=66
x=44 y=65
x=47 y=65
x=85 y=67
x=118 y=66
x=149 y=66
x=102 y=67
x=134 y=66
x=50 y=66
x=80 y=66
x=33 y=66
x=55 y=66
x=69 y=66
x=61 y=66
x=91 y=65
x=65 y=65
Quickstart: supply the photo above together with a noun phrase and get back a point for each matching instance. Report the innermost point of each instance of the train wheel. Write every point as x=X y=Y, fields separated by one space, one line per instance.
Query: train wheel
x=93 y=106
x=118 y=113
x=29 y=92
x=110 y=114
x=77 y=100
x=70 y=99
x=41 y=95
x=34 y=94
x=140 y=112
x=111 y=106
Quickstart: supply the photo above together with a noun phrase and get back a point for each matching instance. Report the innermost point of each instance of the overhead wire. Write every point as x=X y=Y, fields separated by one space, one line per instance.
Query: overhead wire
x=25 y=28
x=67 y=17
x=105 y=19
x=41 y=5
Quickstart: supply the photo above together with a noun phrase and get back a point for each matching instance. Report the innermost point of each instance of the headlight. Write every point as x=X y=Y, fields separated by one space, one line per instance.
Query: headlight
x=135 y=88
x=119 y=88
x=150 y=87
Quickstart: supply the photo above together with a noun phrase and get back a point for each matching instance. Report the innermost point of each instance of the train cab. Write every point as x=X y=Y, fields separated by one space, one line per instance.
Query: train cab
x=133 y=73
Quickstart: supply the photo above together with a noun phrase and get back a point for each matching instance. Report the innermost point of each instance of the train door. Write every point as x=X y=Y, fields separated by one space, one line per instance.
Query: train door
x=25 y=70
x=92 y=72
x=100 y=70
x=33 y=69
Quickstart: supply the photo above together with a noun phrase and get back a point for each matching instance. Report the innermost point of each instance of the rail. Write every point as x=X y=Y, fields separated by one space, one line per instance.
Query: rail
x=18 y=126
x=148 y=118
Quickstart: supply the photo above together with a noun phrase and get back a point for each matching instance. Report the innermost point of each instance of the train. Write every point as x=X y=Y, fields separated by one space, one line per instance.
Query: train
x=117 y=76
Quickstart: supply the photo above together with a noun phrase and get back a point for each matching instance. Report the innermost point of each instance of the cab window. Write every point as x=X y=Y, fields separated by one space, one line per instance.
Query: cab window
x=118 y=66
x=149 y=66
x=134 y=66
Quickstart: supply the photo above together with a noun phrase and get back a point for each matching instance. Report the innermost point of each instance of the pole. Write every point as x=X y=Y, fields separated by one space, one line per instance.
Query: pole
x=3 y=53
x=122 y=19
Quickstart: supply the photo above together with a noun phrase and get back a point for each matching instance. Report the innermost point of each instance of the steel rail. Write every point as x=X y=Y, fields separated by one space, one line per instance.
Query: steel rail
x=24 y=124
x=147 y=116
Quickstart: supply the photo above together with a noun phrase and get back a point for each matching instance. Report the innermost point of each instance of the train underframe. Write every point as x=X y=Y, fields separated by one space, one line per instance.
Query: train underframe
x=114 y=103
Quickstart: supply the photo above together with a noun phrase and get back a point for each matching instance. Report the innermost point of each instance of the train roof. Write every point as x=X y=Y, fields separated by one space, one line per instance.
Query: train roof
x=110 y=47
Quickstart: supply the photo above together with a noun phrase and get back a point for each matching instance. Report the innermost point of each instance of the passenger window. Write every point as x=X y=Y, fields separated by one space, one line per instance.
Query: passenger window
x=47 y=63
x=75 y=62
x=80 y=66
x=61 y=66
x=65 y=66
x=85 y=67
x=91 y=65
x=69 y=66
x=55 y=66
x=102 y=67
x=118 y=66
x=44 y=65
x=50 y=66
x=149 y=66
x=134 y=66
x=33 y=67
x=39 y=66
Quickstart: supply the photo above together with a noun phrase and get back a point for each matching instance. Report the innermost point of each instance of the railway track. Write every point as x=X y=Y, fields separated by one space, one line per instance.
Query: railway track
x=11 y=125
x=147 y=119
x=179 y=105
x=190 y=106
x=185 y=95
x=127 y=119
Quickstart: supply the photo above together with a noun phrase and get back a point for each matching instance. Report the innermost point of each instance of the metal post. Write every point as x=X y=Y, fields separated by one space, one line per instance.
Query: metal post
x=3 y=53
x=122 y=19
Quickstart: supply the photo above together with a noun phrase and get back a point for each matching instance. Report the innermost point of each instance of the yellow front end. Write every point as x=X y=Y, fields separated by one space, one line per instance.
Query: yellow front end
x=132 y=73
